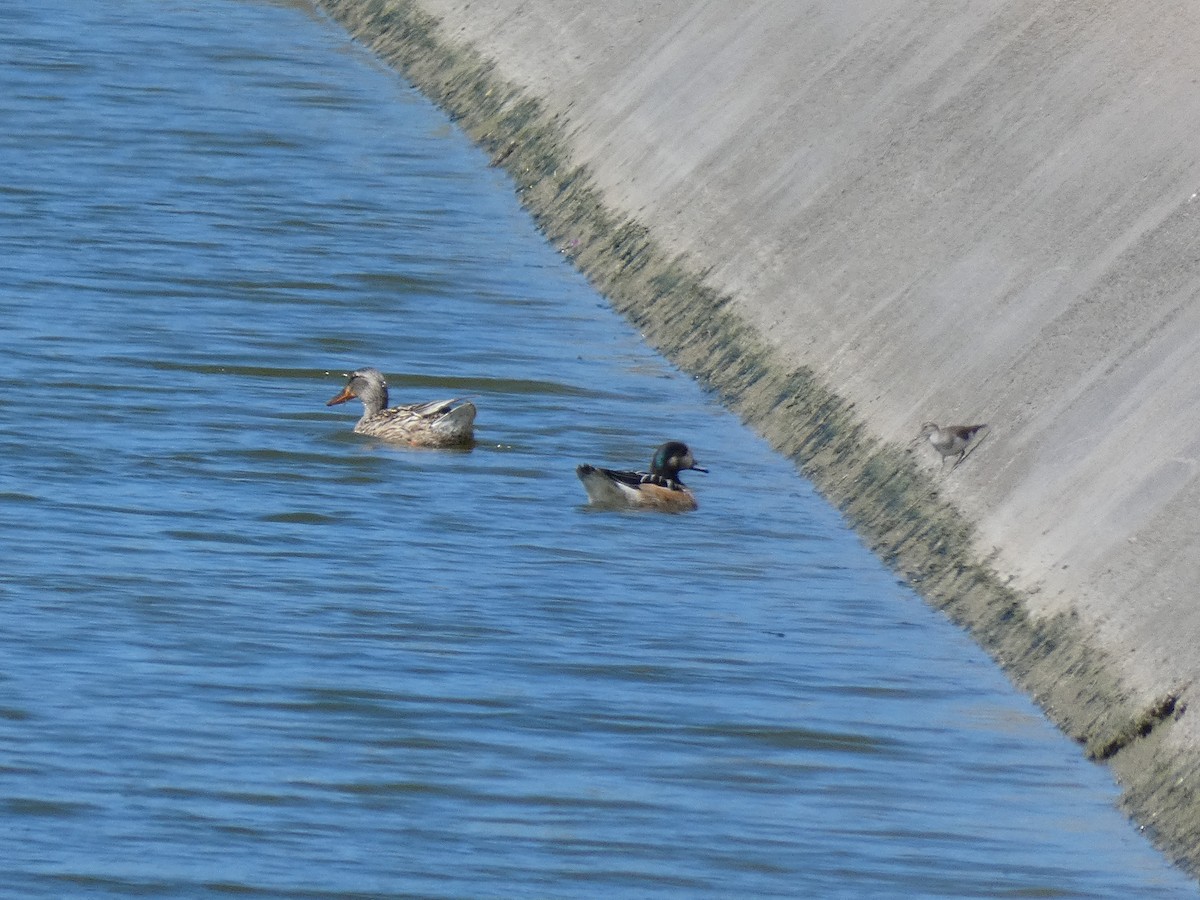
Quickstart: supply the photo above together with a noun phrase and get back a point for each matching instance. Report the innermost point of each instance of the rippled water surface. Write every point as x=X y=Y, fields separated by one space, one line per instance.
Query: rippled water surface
x=244 y=651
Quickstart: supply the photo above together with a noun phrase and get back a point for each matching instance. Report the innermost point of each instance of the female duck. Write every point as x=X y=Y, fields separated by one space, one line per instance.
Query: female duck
x=436 y=424
x=660 y=488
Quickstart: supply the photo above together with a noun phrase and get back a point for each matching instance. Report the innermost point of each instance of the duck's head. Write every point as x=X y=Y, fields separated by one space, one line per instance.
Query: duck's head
x=369 y=386
x=672 y=458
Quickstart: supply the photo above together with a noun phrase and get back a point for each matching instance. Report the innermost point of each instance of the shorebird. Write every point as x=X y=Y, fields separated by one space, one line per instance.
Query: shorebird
x=951 y=440
x=660 y=488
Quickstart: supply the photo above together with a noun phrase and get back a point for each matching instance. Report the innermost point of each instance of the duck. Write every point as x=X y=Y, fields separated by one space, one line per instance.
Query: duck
x=659 y=489
x=440 y=423
x=951 y=440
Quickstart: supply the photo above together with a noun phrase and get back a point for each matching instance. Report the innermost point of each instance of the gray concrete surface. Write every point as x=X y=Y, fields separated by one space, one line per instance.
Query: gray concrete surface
x=979 y=211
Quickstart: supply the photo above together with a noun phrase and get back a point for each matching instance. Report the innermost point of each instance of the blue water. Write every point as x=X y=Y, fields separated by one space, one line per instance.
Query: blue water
x=244 y=651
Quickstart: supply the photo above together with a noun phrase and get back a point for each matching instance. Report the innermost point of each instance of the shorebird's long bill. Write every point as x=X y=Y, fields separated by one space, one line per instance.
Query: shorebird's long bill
x=342 y=397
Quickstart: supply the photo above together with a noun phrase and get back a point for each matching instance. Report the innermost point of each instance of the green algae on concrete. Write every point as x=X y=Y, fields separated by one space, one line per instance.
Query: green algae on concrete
x=878 y=487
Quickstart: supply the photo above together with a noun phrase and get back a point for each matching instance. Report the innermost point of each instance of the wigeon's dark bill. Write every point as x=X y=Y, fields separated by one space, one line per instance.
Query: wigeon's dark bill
x=342 y=397
x=699 y=469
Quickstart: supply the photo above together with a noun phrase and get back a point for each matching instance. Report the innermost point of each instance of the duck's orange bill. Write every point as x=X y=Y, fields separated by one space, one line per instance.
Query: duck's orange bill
x=342 y=397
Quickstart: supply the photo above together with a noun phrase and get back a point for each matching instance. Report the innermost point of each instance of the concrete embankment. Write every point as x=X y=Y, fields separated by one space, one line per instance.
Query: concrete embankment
x=853 y=218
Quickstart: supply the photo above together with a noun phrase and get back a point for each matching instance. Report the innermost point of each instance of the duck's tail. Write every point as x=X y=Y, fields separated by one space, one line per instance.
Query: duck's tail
x=453 y=424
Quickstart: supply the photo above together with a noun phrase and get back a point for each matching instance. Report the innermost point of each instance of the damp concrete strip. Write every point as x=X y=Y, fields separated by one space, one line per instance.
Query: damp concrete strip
x=848 y=219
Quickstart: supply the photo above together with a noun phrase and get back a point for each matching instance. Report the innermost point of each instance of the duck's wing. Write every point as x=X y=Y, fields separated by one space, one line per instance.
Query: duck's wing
x=628 y=479
x=415 y=414
x=636 y=479
x=431 y=410
x=632 y=479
